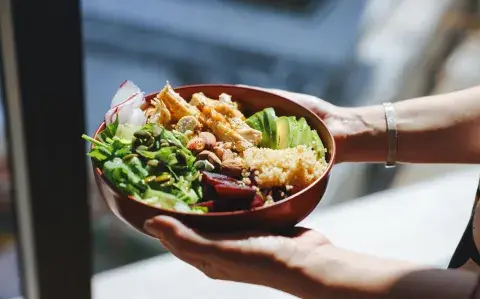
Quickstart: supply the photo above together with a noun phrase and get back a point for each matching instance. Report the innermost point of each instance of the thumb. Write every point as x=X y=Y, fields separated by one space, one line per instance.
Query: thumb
x=174 y=234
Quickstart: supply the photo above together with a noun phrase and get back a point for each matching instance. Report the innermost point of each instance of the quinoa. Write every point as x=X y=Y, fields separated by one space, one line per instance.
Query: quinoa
x=297 y=166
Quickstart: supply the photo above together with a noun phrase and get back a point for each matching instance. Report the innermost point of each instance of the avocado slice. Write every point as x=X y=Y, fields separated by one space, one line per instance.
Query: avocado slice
x=256 y=121
x=270 y=126
x=283 y=128
x=294 y=131
x=305 y=137
x=318 y=145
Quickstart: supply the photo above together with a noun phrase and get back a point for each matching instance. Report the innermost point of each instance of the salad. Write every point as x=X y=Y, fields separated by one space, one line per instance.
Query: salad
x=203 y=155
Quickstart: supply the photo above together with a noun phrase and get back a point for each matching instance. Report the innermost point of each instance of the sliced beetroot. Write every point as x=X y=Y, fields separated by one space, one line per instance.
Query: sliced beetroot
x=232 y=204
x=235 y=191
x=209 y=192
x=257 y=201
x=213 y=179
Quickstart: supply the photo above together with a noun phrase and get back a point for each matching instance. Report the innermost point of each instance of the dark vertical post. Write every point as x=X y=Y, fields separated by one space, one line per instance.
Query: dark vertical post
x=41 y=53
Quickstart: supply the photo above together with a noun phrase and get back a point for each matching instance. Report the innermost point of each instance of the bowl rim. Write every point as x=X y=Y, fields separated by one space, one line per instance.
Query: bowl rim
x=324 y=175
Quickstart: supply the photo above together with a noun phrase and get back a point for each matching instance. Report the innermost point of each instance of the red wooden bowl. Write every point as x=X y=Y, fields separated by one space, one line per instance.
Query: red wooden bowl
x=283 y=214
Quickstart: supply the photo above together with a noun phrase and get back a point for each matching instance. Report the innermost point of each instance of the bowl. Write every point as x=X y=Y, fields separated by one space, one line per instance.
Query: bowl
x=282 y=214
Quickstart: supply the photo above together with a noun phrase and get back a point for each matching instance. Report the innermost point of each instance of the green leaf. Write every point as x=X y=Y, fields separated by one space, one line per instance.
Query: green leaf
x=136 y=166
x=123 y=152
x=97 y=155
x=200 y=209
x=110 y=130
x=181 y=137
x=94 y=142
x=170 y=137
x=164 y=154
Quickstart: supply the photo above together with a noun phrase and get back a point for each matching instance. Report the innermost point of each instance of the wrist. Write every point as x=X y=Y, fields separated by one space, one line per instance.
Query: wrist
x=363 y=137
x=331 y=272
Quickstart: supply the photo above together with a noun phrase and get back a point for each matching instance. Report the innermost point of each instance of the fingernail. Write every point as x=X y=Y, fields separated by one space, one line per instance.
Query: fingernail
x=152 y=229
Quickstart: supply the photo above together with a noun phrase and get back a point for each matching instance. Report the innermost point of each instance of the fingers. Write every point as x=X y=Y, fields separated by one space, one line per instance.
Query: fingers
x=317 y=105
x=186 y=245
x=175 y=235
x=281 y=92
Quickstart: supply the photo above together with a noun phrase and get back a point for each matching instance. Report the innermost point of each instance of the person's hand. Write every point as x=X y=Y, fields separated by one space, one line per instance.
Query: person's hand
x=256 y=258
x=341 y=122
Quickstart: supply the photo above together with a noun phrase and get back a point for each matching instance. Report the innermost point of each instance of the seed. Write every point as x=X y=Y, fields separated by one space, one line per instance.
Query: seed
x=167 y=183
x=200 y=164
x=152 y=163
x=149 y=179
x=163 y=177
x=209 y=166
x=142 y=134
x=128 y=157
x=142 y=148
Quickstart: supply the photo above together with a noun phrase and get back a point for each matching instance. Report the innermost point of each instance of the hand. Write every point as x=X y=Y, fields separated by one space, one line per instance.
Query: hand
x=341 y=122
x=256 y=258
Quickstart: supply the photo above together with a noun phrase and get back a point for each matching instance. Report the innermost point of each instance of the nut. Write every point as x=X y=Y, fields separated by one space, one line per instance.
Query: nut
x=217 y=150
x=228 y=155
x=210 y=157
x=210 y=140
x=232 y=167
x=196 y=144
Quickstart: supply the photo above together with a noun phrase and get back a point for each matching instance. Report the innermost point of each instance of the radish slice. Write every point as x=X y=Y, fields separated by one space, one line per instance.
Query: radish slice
x=126 y=91
x=127 y=99
x=137 y=117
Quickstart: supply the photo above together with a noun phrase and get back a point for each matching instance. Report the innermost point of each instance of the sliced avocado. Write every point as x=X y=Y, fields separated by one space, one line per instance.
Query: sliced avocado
x=294 y=131
x=306 y=133
x=318 y=145
x=256 y=121
x=283 y=128
x=270 y=124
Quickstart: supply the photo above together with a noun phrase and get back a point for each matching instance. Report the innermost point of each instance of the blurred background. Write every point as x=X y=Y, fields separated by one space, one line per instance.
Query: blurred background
x=350 y=53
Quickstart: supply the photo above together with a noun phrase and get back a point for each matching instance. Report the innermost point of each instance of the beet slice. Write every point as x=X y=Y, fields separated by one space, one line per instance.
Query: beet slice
x=257 y=201
x=213 y=179
x=235 y=191
x=209 y=193
x=232 y=204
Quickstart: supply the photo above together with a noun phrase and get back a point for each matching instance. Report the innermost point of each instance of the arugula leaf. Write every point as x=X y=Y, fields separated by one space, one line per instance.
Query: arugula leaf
x=136 y=166
x=170 y=137
x=110 y=130
x=97 y=155
x=95 y=142
x=123 y=176
x=181 y=137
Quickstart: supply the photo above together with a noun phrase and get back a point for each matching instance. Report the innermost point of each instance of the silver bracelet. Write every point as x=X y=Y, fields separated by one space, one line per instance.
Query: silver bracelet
x=391 y=135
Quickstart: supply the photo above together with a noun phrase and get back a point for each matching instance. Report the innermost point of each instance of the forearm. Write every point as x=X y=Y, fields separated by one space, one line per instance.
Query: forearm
x=436 y=129
x=336 y=273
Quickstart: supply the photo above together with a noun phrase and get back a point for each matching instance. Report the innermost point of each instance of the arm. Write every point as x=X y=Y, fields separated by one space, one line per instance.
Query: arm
x=436 y=129
x=305 y=264
x=331 y=272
